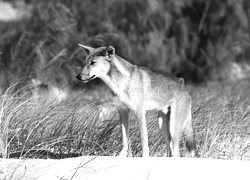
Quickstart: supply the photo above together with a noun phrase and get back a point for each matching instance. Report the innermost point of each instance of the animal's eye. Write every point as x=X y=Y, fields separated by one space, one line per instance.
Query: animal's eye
x=92 y=62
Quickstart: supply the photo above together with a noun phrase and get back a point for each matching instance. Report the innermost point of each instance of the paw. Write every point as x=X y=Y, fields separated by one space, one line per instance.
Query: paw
x=123 y=153
x=145 y=155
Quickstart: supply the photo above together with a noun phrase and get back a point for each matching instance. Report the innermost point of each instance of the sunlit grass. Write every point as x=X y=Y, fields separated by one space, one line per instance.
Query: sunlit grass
x=77 y=126
x=68 y=128
x=221 y=115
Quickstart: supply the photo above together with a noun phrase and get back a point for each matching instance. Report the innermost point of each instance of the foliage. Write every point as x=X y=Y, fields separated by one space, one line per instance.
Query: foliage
x=193 y=39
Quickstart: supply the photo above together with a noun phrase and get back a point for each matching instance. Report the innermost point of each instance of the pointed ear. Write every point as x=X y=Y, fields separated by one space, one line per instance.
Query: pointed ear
x=110 y=51
x=88 y=48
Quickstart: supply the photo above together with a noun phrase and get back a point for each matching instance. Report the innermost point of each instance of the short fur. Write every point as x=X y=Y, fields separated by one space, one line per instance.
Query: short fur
x=141 y=89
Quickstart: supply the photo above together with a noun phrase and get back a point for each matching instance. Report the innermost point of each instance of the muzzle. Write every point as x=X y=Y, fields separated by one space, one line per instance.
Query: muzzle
x=84 y=80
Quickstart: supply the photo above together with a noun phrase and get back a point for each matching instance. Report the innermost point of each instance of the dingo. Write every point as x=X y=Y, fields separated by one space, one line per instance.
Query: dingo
x=141 y=89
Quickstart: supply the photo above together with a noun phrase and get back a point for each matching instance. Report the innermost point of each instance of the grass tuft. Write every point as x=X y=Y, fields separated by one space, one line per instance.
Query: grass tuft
x=44 y=128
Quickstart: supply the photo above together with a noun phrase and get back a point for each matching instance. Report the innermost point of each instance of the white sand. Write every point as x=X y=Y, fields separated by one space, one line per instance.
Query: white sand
x=117 y=168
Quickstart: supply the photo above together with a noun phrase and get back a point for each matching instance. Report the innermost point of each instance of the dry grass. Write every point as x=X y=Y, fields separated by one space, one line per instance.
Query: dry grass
x=42 y=128
x=221 y=114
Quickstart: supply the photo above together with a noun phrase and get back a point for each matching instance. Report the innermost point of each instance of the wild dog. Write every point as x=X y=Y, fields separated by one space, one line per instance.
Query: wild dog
x=141 y=89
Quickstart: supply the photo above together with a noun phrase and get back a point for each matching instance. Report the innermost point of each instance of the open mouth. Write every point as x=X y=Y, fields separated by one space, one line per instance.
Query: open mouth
x=87 y=80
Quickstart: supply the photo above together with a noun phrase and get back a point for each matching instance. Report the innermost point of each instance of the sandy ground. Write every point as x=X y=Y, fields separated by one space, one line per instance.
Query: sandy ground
x=117 y=168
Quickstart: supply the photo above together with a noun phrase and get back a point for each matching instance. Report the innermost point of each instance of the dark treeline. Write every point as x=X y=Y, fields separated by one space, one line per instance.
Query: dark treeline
x=194 y=39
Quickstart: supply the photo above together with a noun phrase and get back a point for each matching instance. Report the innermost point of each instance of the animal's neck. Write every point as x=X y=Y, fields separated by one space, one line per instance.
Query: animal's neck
x=118 y=75
x=122 y=66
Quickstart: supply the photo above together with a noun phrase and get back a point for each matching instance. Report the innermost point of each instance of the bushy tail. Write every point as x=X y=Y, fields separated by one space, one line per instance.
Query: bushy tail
x=189 y=136
x=190 y=144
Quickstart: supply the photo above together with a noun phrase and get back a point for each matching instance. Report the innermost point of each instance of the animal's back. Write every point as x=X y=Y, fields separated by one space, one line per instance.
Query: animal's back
x=159 y=87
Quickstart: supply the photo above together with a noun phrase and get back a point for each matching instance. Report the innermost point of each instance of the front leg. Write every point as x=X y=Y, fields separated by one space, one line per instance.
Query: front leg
x=143 y=131
x=124 y=120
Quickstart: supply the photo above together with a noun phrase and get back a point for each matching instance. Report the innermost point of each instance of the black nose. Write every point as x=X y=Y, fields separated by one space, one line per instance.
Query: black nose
x=78 y=77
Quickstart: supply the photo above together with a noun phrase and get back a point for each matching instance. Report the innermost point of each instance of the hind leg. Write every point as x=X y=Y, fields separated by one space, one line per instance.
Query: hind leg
x=175 y=130
x=180 y=122
x=178 y=116
x=163 y=120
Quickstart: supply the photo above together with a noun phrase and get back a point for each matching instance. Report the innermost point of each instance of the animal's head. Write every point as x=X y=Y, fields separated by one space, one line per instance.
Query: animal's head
x=97 y=62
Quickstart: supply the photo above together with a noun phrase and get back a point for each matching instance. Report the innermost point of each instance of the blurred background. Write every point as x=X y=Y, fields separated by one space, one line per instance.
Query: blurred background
x=200 y=40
